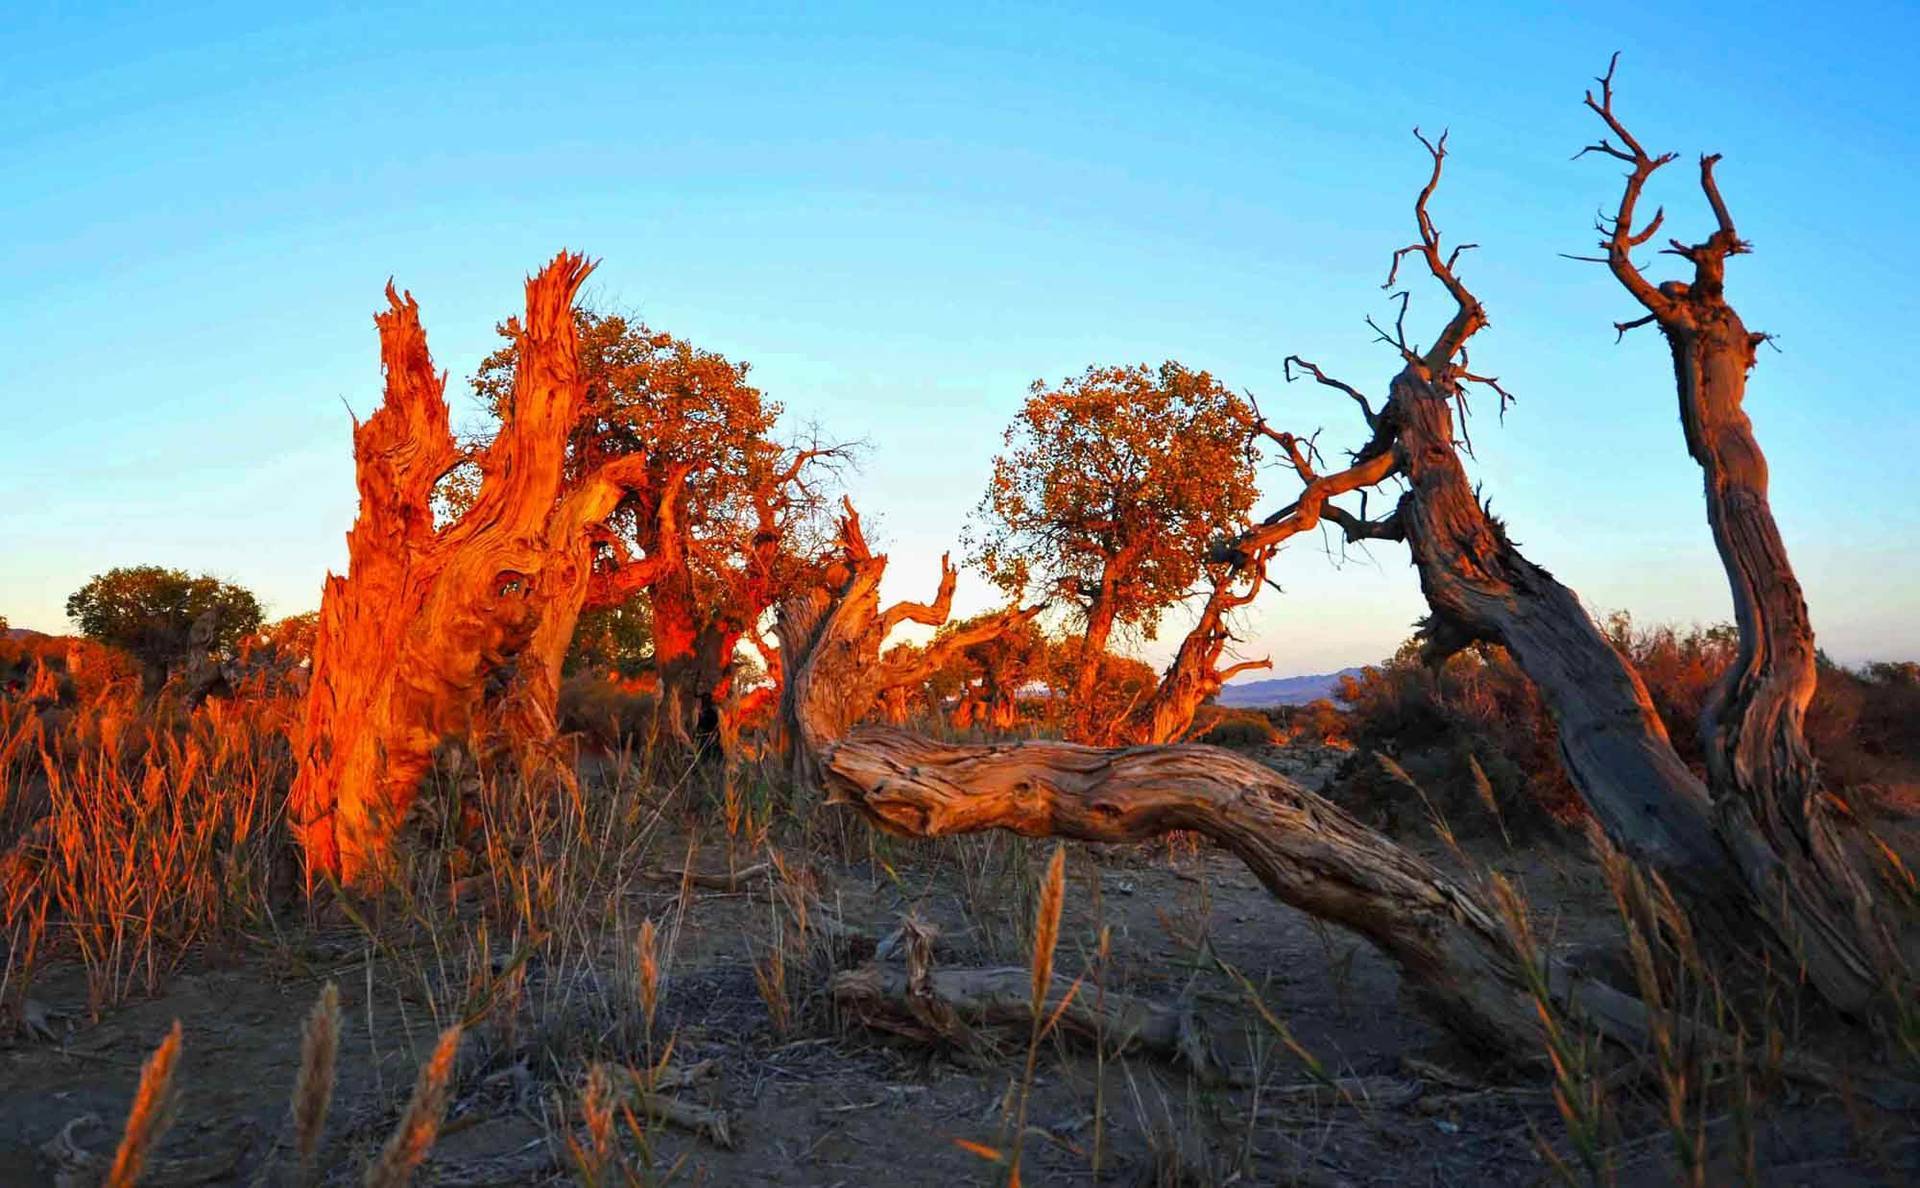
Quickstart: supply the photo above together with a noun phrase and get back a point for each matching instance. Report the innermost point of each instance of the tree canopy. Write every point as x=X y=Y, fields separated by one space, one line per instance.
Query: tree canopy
x=726 y=516
x=1118 y=478
x=1111 y=489
x=151 y=610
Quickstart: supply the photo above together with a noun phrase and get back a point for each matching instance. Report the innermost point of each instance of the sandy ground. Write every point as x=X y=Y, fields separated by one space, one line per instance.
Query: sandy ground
x=828 y=1103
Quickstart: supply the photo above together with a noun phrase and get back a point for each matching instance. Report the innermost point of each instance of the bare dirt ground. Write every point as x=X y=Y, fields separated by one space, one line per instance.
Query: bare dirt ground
x=828 y=1102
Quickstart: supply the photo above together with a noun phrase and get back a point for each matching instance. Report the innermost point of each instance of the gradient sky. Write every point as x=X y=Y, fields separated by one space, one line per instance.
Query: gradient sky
x=902 y=220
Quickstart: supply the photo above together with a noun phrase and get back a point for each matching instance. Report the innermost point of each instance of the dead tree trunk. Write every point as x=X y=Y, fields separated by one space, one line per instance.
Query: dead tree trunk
x=1480 y=587
x=830 y=641
x=409 y=638
x=1614 y=747
x=1781 y=823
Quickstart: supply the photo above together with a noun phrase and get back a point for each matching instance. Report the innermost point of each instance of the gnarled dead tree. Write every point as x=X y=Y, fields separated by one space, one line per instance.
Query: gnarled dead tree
x=409 y=639
x=1784 y=827
x=830 y=639
x=1782 y=875
x=1480 y=587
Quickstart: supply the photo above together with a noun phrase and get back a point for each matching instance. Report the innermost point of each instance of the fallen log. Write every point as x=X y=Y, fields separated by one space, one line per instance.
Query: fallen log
x=1455 y=956
x=956 y=1006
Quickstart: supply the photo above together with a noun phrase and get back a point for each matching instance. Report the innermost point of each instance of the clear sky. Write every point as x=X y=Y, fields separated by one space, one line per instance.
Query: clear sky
x=901 y=220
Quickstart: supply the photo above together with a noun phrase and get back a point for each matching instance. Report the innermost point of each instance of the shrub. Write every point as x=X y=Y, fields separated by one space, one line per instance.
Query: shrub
x=1243 y=728
x=1477 y=709
x=609 y=712
x=1863 y=727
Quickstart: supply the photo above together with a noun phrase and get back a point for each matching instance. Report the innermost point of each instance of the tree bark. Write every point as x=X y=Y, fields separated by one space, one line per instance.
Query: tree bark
x=1093 y=645
x=1480 y=587
x=409 y=639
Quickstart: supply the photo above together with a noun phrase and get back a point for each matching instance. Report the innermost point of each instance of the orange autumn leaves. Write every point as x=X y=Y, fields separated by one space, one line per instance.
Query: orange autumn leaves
x=1111 y=488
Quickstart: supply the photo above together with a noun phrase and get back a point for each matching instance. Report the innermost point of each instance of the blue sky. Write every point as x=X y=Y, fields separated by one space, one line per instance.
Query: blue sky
x=902 y=219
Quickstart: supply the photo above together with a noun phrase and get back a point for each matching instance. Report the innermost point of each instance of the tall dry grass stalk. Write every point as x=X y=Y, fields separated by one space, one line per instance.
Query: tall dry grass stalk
x=313 y=1088
x=151 y=1114
x=596 y=1112
x=161 y=829
x=647 y=961
x=1579 y=1092
x=1046 y=938
x=420 y=1124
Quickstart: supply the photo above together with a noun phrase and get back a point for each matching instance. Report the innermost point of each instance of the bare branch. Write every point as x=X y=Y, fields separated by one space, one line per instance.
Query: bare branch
x=1358 y=529
x=1321 y=377
x=928 y=614
x=1620 y=237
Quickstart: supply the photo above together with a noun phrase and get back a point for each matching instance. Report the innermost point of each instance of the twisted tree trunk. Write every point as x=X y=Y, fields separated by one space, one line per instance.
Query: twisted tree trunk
x=1786 y=832
x=409 y=639
x=1195 y=674
x=1480 y=587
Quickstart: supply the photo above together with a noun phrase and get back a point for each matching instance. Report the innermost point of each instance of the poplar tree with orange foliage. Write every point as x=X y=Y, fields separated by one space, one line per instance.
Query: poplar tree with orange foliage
x=724 y=517
x=1110 y=490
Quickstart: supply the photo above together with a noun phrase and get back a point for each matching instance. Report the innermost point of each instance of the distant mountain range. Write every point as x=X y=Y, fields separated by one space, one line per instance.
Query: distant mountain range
x=1294 y=690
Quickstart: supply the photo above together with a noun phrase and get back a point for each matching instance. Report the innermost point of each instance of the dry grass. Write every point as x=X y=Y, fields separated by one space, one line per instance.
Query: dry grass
x=136 y=838
x=313 y=1088
x=139 y=835
x=151 y=1114
x=420 y=1121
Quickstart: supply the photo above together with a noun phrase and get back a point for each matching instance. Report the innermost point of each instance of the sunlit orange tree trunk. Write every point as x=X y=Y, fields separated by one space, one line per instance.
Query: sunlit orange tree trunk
x=425 y=617
x=717 y=519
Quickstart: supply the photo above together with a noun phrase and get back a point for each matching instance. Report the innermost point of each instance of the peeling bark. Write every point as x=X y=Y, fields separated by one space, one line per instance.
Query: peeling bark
x=410 y=638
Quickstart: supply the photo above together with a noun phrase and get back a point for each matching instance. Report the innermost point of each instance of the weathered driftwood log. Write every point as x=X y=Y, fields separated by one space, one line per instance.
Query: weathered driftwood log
x=1455 y=958
x=1780 y=822
x=409 y=639
x=956 y=1006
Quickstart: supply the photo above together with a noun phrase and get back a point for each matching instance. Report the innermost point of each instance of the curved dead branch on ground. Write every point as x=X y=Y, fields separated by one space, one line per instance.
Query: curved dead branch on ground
x=1453 y=953
x=409 y=639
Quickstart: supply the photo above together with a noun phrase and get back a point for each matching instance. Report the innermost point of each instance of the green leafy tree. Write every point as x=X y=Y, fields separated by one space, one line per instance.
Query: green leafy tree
x=150 y=611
